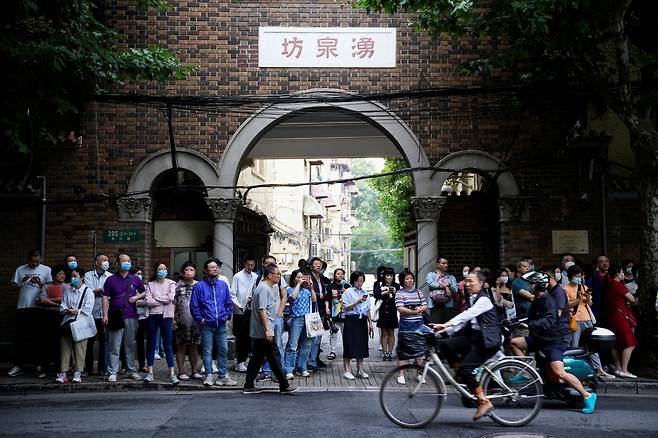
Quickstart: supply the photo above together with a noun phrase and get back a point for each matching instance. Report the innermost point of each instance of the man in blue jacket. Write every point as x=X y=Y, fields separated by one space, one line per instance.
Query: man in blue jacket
x=211 y=307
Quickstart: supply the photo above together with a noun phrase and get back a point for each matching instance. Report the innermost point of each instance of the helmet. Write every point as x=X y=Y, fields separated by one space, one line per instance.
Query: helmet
x=539 y=278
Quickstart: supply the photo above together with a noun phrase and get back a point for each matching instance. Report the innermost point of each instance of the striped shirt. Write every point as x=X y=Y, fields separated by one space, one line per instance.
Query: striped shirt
x=410 y=299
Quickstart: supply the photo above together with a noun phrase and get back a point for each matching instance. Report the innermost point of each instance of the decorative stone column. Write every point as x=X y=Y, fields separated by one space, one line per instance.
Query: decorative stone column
x=427 y=211
x=135 y=209
x=224 y=211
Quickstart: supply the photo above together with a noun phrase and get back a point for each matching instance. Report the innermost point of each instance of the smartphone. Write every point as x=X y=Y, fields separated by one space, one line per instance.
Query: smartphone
x=306 y=281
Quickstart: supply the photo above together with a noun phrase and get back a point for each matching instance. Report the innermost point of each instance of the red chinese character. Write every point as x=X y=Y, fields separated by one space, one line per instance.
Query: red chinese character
x=362 y=48
x=327 y=47
x=292 y=46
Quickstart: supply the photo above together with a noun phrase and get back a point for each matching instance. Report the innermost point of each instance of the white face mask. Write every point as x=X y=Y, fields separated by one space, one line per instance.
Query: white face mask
x=569 y=264
x=558 y=276
x=504 y=279
x=465 y=273
x=105 y=265
x=629 y=270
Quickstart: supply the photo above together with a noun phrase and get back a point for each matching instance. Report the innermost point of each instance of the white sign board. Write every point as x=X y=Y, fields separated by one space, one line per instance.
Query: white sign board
x=366 y=47
x=573 y=241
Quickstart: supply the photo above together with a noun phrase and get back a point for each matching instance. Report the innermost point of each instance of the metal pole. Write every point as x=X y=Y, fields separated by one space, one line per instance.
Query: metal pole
x=172 y=144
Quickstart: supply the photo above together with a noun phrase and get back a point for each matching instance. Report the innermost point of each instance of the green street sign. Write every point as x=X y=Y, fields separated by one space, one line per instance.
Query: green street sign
x=113 y=236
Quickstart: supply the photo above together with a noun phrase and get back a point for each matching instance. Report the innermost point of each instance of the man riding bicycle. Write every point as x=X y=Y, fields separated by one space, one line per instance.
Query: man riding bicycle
x=475 y=347
x=546 y=335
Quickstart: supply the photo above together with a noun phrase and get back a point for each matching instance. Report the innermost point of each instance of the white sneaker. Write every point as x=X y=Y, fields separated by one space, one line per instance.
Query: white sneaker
x=15 y=371
x=77 y=377
x=148 y=378
x=214 y=367
x=349 y=376
x=157 y=356
x=135 y=376
x=304 y=373
x=184 y=377
x=173 y=379
x=208 y=381
x=225 y=381
x=401 y=380
x=362 y=374
x=112 y=378
x=290 y=376
x=61 y=378
x=241 y=367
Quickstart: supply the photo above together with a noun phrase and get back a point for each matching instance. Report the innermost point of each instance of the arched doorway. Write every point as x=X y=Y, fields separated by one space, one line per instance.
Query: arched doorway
x=427 y=195
x=479 y=219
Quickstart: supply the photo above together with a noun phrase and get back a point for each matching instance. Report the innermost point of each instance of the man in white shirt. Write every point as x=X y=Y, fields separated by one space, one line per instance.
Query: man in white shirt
x=241 y=290
x=28 y=279
x=95 y=280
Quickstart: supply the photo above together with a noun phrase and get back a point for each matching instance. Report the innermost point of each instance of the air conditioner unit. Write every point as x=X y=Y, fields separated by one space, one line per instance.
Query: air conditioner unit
x=315 y=250
x=329 y=254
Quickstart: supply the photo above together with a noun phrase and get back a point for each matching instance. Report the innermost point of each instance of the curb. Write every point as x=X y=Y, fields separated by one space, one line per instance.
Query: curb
x=626 y=387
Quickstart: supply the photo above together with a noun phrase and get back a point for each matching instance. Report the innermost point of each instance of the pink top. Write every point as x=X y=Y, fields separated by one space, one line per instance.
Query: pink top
x=160 y=297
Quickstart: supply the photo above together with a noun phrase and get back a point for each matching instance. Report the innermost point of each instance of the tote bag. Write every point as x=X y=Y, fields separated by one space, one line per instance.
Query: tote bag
x=314 y=325
x=83 y=326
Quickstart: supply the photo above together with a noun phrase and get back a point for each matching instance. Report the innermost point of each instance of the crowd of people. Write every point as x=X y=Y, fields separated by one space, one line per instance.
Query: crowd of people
x=117 y=321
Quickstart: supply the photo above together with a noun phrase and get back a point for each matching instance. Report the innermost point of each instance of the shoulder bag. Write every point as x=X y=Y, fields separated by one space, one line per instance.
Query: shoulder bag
x=84 y=326
x=313 y=322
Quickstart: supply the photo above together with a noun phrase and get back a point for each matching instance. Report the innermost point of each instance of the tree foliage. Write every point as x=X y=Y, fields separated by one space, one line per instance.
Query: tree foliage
x=605 y=46
x=56 y=53
x=394 y=194
x=372 y=236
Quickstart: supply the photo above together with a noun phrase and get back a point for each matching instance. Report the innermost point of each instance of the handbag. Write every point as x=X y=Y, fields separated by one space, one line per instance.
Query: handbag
x=313 y=323
x=440 y=296
x=83 y=326
x=374 y=311
x=426 y=318
x=66 y=325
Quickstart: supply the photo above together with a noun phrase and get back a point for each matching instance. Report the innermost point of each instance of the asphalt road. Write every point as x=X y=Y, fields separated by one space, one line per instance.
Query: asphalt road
x=306 y=414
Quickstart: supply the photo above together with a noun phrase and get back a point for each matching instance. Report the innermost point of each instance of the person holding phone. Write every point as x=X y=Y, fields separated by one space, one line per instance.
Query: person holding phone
x=299 y=345
x=358 y=326
x=388 y=315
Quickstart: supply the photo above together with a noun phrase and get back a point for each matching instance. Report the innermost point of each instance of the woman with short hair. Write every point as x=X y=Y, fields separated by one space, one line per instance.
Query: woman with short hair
x=357 y=326
x=187 y=332
x=388 y=314
x=77 y=300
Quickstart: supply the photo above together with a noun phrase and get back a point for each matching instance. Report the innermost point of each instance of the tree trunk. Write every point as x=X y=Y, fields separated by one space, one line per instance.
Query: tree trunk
x=648 y=275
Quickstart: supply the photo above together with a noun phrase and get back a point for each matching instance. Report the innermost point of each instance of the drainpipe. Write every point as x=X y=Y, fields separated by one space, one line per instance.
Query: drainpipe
x=43 y=215
x=604 y=216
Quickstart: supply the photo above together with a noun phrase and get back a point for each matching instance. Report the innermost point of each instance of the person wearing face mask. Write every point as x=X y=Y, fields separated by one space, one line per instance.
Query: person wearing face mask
x=78 y=299
x=580 y=300
x=95 y=280
x=50 y=300
x=120 y=293
x=629 y=279
x=566 y=262
x=160 y=294
x=460 y=296
x=623 y=323
x=502 y=295
x=187 y=332
x=141 y=326
x=388 y=313
x=71 y=261
x=599 y=282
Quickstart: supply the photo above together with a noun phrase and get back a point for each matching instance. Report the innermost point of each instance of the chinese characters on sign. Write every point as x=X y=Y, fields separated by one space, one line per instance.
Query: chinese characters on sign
x=326 y=47
x=112 y=236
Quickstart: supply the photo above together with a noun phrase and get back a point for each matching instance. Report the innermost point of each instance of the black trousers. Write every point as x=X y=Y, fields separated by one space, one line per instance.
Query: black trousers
x=242 y=339
x=141 y=343
x=262 y=349
x=471 y=352
x=26 y=345
x=89 y=356
x=50 y=334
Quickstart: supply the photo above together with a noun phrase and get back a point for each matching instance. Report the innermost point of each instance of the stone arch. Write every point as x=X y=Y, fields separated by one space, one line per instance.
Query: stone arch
x=427 y=198
x=377 y=114
x=156 y=163
x=473 y=159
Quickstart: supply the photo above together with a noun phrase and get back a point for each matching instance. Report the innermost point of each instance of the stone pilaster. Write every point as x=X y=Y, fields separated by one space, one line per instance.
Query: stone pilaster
x=427 y=211
x=135 y=209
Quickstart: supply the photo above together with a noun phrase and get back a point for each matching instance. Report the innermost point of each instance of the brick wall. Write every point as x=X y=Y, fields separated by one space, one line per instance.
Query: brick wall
x=221 y=39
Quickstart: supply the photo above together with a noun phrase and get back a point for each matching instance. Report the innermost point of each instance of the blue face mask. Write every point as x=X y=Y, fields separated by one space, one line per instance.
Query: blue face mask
x=75 y=281
x=72 y=264
x=577 y=280
x=125 y=266
x=162 y=274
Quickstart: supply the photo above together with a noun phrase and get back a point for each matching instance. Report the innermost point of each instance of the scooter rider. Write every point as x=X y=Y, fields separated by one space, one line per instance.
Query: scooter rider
x=546 y=336
x=484 y=340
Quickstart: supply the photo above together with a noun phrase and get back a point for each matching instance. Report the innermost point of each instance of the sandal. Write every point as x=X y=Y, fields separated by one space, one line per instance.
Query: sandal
x=331 y=356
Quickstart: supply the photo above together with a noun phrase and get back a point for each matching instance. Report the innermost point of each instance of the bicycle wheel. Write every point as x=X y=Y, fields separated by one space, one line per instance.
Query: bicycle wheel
x=410 y=403
x=516 y=391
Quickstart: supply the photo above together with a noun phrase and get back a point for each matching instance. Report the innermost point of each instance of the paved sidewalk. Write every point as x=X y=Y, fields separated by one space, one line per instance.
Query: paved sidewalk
x=330 y=380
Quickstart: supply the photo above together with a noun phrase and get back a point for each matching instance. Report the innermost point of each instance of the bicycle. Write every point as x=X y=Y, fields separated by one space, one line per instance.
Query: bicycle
x=512 y=385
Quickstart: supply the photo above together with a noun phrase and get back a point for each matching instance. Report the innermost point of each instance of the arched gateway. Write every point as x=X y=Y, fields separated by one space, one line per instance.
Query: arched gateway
x=224 y=204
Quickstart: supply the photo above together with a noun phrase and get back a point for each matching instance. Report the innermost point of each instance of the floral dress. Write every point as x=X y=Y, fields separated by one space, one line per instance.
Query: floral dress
x=187 y=332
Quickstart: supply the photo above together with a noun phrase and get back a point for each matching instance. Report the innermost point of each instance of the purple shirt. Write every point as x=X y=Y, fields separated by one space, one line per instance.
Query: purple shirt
x=119 y=289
